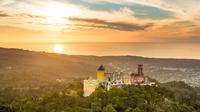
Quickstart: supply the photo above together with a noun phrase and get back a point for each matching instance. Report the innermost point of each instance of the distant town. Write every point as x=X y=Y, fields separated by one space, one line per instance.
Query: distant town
x=114 y=79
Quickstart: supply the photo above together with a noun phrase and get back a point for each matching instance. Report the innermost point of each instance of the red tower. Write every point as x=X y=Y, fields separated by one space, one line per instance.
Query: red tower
x=139 y=77
x=140 y=70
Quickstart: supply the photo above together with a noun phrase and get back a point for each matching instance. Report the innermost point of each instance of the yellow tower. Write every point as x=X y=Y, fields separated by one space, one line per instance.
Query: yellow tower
x=101 y=73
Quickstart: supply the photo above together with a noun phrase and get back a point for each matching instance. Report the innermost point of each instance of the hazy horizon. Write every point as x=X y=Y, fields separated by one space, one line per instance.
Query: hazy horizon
x=159 y=28
x=144 y=49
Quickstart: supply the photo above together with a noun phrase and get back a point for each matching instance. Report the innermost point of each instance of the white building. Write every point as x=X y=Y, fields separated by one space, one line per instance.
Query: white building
x=89 y=86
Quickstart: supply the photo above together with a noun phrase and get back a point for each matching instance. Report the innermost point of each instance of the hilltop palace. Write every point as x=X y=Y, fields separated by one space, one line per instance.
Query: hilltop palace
x=114 y=79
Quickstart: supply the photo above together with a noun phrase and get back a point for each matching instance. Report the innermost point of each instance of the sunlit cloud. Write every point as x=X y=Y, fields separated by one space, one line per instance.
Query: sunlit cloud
x=3 y=14
x=121 y=26
x=6 y=2
x=151 y=19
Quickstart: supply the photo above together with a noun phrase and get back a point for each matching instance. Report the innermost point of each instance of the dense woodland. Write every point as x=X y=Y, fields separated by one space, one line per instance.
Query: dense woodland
x=168 y=97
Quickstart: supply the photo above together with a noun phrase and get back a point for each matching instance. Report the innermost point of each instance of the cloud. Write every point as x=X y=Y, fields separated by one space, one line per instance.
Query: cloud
x=97 y=23
x=182 y=9
x=142 y=11
x=23 y=15
x=180 y=24
x=29 y=16
x=3 y=14
x=193 y=39
x=6 y=2
x=167 y=17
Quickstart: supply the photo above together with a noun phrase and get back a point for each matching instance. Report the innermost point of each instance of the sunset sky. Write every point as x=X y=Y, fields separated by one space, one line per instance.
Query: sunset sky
x=100 y=20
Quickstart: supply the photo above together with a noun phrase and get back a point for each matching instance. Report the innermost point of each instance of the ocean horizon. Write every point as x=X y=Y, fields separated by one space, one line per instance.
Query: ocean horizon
x=144 y=49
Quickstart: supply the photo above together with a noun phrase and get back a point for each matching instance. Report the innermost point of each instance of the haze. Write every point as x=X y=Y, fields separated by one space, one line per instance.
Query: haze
x=60 y=21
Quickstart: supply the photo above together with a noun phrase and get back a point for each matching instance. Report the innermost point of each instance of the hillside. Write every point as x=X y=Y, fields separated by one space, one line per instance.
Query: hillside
x=22 y=69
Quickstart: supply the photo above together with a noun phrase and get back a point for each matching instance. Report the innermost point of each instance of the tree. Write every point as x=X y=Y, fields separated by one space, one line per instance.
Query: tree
x=109 y=108
x=96 y=106
x=129 y=109
x=139 y=110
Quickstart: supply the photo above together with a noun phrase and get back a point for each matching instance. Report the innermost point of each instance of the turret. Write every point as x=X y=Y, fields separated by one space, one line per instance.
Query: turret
x=140 y=69
x=101 y=73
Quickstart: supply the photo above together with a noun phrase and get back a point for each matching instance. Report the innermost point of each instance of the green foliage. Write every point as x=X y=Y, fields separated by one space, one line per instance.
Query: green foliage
x=129 y=110
x=109 y=108
x=129 y=98
x=96 y=106
x=184 y=93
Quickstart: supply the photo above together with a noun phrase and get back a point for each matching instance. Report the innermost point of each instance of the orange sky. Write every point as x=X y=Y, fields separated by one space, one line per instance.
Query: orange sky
x=99 y=21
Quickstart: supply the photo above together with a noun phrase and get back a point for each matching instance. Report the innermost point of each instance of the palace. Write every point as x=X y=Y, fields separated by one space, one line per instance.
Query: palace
x=114 y=79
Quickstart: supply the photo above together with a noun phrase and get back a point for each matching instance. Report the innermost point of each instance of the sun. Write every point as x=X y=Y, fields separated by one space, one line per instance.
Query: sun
x=58 y=48
x=58 y=13
x=56 y=20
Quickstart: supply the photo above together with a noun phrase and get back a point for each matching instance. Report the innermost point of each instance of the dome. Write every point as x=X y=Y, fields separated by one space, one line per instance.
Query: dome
x=101 y=68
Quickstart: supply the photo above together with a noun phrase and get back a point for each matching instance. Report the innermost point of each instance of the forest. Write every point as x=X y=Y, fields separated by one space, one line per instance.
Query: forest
x=168 y=97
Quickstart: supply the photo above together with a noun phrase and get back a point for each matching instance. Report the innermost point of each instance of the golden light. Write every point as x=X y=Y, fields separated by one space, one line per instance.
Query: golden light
x=57 y=13
x=58 y=48
x=56 y=20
